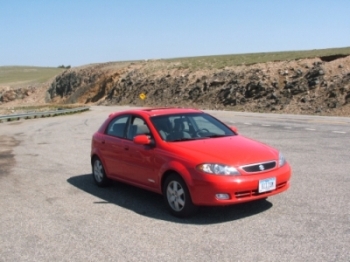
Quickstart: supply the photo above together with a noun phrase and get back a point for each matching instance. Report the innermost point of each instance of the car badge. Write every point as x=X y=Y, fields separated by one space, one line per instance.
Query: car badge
x=261 y=167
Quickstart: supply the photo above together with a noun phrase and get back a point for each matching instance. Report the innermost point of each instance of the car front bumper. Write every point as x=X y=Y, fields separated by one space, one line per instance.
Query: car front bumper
x=238 y=189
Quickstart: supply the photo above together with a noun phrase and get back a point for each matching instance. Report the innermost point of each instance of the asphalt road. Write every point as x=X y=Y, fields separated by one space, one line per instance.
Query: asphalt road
x=50 y=210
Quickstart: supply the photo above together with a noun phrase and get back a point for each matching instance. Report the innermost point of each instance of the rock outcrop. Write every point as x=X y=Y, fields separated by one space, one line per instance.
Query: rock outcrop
x=319 y=85
x=8 y=95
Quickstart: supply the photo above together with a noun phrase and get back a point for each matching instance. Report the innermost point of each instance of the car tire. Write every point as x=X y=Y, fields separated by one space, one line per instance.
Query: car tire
x=98 y=173
x=177 y=197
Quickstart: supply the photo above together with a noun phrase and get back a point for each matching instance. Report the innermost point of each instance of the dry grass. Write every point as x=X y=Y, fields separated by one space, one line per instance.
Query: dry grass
x=254 y=58
x=16 y=76
x=222 y=61
x=5 y=110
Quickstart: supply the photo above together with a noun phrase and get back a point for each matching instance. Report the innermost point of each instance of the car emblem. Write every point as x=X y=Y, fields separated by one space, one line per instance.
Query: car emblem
x=261 y=167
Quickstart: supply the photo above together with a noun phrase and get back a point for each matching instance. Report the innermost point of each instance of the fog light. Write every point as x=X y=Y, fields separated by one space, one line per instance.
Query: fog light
x=222 y=196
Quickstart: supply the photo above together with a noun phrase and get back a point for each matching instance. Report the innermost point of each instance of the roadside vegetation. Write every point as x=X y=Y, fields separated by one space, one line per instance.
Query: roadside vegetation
x=46 y=107
x=36 y=108
x=42 y=111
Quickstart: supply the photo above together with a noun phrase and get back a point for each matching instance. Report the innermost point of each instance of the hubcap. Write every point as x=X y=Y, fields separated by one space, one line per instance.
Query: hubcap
x=176 y=196
x=98 y=171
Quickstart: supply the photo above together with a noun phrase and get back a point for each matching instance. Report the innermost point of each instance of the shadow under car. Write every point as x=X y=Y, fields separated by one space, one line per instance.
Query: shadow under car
x=151 y=204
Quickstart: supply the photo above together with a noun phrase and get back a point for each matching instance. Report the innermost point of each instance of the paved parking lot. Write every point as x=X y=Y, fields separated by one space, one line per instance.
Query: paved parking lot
x=50 y=210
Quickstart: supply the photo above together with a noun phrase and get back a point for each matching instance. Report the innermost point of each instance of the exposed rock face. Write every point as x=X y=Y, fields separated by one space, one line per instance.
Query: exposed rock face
x=9 y=95
x=304 y=86
x=68 y=85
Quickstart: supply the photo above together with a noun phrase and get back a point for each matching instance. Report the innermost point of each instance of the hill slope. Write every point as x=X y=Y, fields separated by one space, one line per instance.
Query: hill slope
x=319 y=85
x=305 y=86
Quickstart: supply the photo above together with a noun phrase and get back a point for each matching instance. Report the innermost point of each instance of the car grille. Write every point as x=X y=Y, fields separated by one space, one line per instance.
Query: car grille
x=260 y=167
x=252 y=193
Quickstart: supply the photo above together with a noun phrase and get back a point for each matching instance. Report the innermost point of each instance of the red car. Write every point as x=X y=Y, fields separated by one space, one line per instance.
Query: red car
x=187 y=155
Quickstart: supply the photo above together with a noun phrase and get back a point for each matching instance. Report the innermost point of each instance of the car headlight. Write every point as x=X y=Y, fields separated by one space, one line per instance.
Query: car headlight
x=218 y=169
x=281 y=160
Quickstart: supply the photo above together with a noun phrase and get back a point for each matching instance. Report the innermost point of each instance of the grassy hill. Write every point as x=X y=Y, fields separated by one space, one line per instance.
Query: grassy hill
x=17 y=76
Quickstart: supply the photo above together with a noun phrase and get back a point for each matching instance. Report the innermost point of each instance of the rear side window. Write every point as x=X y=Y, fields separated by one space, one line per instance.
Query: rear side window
x=117 y=127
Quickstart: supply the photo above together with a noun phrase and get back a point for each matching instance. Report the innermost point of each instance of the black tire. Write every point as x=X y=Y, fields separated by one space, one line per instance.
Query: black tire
x=177 y=197
x=98 y=173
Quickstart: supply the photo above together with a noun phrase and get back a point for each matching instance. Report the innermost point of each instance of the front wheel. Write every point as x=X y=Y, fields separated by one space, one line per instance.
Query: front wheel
x=98 y=173
x=177 y=197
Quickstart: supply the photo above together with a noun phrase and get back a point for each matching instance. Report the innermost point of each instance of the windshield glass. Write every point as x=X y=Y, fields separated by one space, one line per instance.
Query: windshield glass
x=181 y=127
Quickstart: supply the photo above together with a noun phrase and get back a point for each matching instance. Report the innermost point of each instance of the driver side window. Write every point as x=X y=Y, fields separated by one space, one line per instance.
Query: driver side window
x=204 y=124
x=137 y=127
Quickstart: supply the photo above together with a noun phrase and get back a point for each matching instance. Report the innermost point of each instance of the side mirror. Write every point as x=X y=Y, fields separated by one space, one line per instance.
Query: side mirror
x=234 y=129
x=142 y=140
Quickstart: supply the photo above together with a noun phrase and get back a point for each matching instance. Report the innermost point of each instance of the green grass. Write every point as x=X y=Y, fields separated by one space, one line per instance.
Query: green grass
x=24 y=75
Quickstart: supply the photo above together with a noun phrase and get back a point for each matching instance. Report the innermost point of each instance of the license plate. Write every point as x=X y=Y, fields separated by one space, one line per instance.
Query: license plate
x=267 y=184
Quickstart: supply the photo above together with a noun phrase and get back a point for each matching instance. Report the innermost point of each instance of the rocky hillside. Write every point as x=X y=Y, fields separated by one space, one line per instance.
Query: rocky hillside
x=304 y=86
x=307 y=86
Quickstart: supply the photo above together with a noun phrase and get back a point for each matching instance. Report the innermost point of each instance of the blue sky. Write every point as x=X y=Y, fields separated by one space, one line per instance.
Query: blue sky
x=77 y=32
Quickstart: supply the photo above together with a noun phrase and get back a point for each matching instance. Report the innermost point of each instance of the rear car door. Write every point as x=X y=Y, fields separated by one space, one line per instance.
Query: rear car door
x=113 y=149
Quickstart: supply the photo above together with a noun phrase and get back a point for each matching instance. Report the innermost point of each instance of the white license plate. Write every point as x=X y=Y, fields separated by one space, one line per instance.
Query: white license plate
x=267 y=184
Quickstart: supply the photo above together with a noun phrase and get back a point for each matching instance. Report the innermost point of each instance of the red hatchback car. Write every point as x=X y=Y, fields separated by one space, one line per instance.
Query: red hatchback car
x=187 y=155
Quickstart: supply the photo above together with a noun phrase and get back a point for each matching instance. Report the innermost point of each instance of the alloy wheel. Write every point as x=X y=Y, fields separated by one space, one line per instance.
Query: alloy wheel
x=176 y=196
x=98 y=171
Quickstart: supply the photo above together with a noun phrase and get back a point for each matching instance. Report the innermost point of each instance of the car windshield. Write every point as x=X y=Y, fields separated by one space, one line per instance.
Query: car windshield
x=183 y=127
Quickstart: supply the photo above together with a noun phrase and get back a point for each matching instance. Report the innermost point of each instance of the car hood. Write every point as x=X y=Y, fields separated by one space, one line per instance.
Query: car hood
x=234 y=150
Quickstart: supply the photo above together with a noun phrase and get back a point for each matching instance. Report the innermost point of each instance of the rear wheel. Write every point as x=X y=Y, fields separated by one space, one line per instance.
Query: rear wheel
x=98 y=173
x=177 y=197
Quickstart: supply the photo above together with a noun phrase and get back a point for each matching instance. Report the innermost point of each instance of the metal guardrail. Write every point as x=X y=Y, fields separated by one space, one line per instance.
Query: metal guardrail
x=42 y=114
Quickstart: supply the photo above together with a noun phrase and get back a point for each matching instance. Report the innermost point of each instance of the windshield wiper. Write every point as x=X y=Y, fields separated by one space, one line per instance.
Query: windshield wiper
x=197 y=138
x=184 y=139
x=214 y=136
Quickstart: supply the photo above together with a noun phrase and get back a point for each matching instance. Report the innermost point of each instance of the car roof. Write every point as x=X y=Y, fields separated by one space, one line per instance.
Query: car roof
x=158 y=111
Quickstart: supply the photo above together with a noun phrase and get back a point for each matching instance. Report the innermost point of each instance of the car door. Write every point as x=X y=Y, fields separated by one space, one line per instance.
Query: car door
x=114 y=149
x=139 y=159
